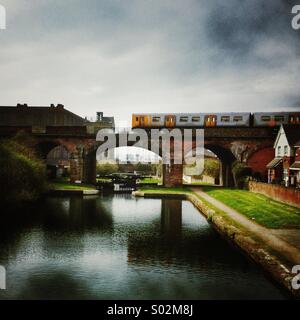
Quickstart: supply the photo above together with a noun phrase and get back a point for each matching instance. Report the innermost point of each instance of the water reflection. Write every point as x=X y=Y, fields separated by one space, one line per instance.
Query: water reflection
x=120 y=247
x=171 y=218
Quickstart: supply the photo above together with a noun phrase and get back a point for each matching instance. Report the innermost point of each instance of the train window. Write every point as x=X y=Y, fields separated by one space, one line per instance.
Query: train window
x=195 y=119
x=265 y=118
x=279 y=118
x=155 y=119
x=184 y=119
x=225 y=119
x=237 y=118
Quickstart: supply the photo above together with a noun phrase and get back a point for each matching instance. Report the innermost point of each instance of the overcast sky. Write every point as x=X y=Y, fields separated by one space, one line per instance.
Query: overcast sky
x=126 y=56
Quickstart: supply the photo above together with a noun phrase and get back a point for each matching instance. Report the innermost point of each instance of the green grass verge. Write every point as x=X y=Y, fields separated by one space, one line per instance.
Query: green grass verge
x=149 y=181
x=178 y=190
x=263 y=210
x=70 y=186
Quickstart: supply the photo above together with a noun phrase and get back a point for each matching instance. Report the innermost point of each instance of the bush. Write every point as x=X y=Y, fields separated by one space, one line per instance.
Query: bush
x=22 y=174
x=211 y=169
x=104 y=169
x=241 y=173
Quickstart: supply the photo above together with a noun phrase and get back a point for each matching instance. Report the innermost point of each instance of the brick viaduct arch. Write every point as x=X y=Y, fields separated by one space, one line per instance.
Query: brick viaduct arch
x=249 y=145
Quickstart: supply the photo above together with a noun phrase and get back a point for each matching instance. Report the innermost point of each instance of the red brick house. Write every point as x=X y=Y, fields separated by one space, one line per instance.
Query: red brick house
x=285 y=167
x=295 y=167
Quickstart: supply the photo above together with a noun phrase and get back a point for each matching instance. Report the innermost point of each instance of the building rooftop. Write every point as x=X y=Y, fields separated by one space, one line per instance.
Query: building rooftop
x=292 y=133
x=43 y=116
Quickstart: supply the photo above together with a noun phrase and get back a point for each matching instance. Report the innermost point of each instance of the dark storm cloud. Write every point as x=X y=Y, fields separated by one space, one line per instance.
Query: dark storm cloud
x=236 y=26
x=124 y=56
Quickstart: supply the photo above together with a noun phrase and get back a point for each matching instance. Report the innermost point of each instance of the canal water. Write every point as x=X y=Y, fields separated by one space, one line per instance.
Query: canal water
x=120 y=247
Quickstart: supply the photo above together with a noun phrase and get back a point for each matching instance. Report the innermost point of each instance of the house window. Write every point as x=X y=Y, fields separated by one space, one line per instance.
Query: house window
x=195 y=119
x=225 y=119
x=279 y=151
x=285 y=150
x=184 y=119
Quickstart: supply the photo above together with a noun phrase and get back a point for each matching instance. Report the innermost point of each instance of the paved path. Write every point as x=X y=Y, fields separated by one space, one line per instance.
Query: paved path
x=271 y=237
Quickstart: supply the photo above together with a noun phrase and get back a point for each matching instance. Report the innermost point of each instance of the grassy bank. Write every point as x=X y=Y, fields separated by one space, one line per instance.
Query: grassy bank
x=263 y=210
x=63 y=185
x=154 y=190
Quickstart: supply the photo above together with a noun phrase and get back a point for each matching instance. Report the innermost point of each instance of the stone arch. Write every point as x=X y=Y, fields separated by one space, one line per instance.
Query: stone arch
x=90 y=161
x=226 y=157
x=55 y=155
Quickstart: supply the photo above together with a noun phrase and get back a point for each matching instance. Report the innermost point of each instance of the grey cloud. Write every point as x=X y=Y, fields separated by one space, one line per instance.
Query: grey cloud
x=150 y=56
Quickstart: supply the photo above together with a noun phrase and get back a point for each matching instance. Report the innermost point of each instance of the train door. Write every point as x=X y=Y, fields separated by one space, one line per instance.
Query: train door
x=170 y=121
x=210 y=120
x=144 y=121
x=135 y=121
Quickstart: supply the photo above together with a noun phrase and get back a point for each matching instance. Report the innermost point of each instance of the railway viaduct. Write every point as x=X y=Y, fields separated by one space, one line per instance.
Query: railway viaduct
x=253 y=146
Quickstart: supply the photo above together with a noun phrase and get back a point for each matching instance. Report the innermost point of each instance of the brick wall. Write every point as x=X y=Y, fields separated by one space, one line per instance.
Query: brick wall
x=259 y=160
x=172 y=175
x=289 y=196
x=297 y=155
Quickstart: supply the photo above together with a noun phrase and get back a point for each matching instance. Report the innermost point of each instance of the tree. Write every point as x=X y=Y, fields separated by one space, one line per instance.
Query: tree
x=241 y=173
x=22 y=173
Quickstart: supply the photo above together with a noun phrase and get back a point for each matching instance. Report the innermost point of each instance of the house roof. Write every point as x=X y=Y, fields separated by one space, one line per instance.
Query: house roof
x=24 y=115
x=295 y=166
x=274 y=163
x=292 y=133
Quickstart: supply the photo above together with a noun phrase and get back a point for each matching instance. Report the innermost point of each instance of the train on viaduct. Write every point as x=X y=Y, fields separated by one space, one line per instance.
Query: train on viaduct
x=243 y=137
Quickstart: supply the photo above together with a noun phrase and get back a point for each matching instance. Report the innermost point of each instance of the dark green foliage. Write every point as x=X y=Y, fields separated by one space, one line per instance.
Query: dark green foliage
x=104 y=169
x=144 y=168
x=22 y=174
x=211 y=168
x=241 y=173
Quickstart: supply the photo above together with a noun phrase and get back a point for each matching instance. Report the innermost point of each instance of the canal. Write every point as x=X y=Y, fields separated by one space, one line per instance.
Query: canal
x=120 y=247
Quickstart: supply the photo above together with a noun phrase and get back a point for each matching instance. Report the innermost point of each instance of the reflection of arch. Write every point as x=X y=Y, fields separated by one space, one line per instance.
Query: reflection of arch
x=171 y=218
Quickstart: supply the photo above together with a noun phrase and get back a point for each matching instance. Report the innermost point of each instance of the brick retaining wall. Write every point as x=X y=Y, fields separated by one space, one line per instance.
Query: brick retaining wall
x=289 y=196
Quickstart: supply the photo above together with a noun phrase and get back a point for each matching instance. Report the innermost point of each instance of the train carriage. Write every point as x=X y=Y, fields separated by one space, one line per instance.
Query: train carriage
x=264 y=119
x=233 y=119
x=205 y=120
